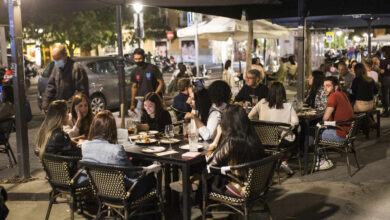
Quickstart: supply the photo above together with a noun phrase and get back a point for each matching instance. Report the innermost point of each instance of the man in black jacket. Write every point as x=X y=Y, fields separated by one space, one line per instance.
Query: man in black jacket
x=67 y=78
x=253 y=86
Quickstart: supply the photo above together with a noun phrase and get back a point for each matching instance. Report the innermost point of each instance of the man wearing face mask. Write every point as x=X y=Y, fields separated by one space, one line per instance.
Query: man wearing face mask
x=145 y=77
x=67 y=78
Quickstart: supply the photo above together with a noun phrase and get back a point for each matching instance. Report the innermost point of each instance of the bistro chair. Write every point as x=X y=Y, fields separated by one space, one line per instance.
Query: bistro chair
x=270 y=136
x=6 y=127
x=347 y=146
x=260 y=174
x=63 y=180
x=116 y=196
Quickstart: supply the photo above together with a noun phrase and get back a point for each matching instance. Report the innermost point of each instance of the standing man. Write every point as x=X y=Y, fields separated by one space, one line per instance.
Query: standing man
x=67 y=78
x=145 y=77
x=253 y=86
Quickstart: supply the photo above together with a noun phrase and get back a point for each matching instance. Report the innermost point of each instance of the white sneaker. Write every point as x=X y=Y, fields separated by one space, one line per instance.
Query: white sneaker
x=324 y=165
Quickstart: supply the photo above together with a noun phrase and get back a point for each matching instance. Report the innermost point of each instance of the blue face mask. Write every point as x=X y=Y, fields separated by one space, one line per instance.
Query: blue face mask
x=59 y=63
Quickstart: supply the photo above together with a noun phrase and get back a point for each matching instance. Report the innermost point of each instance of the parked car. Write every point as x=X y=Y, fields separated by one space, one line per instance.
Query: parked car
x=103 y=81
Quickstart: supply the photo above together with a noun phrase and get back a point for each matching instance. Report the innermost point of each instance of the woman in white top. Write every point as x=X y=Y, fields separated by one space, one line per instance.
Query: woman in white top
x=275 y=108
x=80 y=117
x=220 y=94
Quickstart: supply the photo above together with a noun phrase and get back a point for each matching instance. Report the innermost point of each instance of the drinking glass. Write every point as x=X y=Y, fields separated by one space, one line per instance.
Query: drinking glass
x=131 y=126
x=193 y=141
x=255 y=99
x=169 y=134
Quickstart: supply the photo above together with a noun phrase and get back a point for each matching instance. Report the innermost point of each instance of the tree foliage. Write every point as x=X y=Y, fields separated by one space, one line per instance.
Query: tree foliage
x=88 y=29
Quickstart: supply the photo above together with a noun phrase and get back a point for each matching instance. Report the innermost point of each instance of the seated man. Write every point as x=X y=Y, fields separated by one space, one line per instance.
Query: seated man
x=338 y=108
x=253 y=86
x=180 y=101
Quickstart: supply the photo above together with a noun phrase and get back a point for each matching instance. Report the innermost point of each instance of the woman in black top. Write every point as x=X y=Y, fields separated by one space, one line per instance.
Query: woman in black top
x=363 y=90
x=154 y=116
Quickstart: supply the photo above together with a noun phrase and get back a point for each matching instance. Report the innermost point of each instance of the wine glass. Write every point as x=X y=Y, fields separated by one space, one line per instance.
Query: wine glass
x=169 y=134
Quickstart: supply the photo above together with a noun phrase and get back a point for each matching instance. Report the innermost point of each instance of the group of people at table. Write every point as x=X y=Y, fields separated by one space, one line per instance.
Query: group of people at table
x=76 y=131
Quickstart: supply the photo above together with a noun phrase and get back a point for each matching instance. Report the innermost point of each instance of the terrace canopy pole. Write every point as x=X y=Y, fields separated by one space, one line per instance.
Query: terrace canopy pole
x=15 y=26
x=121 y=65
x=249 y=48
x=301 y=51
x=369 y=22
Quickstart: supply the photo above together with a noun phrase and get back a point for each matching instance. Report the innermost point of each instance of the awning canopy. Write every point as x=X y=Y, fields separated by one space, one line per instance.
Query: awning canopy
x=338 y=21
x=221 y=28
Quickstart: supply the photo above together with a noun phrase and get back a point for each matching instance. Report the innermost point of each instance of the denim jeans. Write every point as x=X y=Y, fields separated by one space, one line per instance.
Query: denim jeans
x=331 y=135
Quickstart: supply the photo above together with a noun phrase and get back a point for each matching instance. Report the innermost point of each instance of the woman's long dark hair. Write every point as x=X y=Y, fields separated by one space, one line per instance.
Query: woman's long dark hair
x=104 y=126
x=361 y=72
x=156 y=99
x=276 y=95
x=87 y=120
x=292 y=59
x=203 y=104
x=228 y=63
x=238 y=133
x=318 y=82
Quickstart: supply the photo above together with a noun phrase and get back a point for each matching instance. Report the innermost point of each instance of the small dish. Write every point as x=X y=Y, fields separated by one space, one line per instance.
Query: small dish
x=153 y=149
x=134 y=137
x=153 y=132
x=169 y=141
x=146 y=141
x=187 y=147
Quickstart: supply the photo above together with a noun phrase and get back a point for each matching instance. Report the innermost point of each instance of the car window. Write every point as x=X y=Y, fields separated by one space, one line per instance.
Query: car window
x=47 y=71
x=129 y=68
x=105 y=67
x=92 y=67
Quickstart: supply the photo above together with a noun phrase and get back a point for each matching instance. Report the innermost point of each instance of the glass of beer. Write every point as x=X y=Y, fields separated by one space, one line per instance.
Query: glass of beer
x=131 y=126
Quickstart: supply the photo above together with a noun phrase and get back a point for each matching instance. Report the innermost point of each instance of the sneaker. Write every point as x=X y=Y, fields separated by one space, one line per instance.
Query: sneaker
x=324 y=165
x=286 y=169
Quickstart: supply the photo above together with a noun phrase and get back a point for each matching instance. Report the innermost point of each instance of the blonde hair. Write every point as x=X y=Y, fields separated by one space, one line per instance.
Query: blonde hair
x=55 y=117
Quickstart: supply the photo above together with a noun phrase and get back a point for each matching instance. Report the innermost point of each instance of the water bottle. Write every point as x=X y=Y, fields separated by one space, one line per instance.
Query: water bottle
x=294 y=102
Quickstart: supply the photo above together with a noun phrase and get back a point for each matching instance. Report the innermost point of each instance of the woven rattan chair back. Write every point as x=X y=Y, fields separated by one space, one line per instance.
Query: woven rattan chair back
x=268 y=132
x=259 y=177
x=58 y=169
x=353 y=131
x=114 y=188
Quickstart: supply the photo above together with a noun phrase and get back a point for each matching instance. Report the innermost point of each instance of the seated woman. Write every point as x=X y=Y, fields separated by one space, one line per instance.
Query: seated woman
x=220 y=94
x=316 y=97
x=80 y=117
x=154 y=116
x=7 y=102
x=275 y=108
x=51 y=137
x=239 y=144
x=363 y=90
x=102 y=147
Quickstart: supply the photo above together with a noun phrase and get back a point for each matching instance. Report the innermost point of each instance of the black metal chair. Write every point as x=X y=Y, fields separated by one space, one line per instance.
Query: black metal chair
x=62 y=177
x=260 y=174
x=116 y=195
x=347 y=146
x=6 y=127
x=271 y=135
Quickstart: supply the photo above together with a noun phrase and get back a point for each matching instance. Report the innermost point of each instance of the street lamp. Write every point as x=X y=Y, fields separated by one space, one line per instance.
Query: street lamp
x=138 y=8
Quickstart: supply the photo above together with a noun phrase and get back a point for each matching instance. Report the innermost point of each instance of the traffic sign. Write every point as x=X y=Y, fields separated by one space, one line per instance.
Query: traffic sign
x=329 y=36
x=170 y=35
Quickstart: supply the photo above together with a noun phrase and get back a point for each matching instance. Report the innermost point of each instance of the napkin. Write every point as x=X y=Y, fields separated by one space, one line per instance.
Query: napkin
x=190 y=155
x=166 y=153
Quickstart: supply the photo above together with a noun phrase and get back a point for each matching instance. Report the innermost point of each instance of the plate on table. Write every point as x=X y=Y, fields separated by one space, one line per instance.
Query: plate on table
x=169 y=141
x=146 y=141
x=134 y=137
x=153 y=149
x=153 y=132
x=187 y=147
